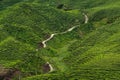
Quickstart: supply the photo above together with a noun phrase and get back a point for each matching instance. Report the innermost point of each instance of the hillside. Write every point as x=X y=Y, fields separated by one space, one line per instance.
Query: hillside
x=59 y=40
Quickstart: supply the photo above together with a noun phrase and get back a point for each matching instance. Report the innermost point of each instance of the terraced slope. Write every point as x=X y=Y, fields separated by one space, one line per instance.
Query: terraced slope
x=34 y=33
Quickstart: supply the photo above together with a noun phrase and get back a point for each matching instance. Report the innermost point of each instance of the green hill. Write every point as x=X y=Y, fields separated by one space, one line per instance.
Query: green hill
x=88 y=52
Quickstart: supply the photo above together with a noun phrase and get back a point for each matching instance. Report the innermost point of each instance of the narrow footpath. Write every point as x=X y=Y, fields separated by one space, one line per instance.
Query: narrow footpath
x=52 y=35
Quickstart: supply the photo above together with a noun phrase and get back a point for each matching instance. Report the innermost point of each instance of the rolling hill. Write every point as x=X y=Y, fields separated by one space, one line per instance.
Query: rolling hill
x=59 y=40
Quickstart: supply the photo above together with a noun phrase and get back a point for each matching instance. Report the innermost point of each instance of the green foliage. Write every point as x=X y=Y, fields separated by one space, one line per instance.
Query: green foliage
x=11 y=49
x=31 y=64
x=89 y=52
x=110 y=14
x=7 y=3
x=47 y=77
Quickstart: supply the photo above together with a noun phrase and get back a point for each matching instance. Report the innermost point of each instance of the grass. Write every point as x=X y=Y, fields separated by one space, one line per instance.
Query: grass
x=58 y=61
x=90 y=52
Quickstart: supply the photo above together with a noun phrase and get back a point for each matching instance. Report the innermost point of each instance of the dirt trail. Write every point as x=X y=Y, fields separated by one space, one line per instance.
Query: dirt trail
x=51 y=68
x=86 y=18
x=52 y=35
x=69 y=30
x=44 y=42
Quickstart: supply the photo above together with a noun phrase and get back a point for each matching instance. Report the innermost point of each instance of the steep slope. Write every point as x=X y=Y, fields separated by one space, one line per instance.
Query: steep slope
x=36 y=32
x=23 y=27
x=94 y=57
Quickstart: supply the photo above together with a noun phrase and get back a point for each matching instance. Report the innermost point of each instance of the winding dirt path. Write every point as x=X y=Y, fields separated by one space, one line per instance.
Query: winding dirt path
x=69 y=30
x=52 y=35
x=44 y=42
